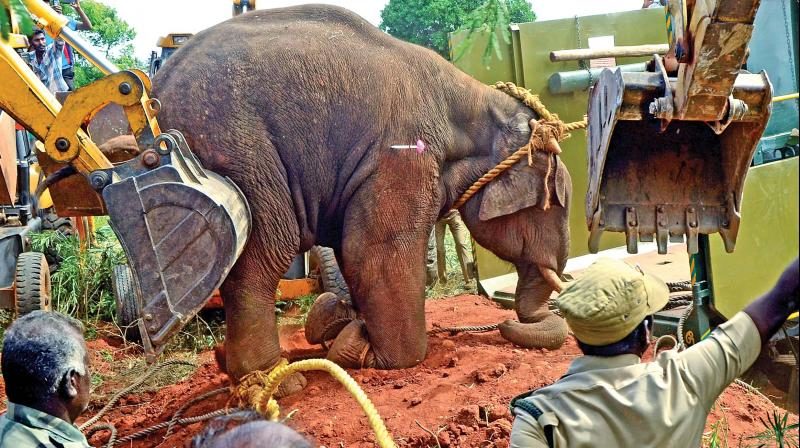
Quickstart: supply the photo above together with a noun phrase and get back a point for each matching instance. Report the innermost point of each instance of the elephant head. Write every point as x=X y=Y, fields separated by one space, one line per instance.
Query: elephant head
x=522 y=217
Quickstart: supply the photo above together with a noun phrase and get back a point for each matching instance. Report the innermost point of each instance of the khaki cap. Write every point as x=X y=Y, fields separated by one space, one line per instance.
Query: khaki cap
x=609 y=300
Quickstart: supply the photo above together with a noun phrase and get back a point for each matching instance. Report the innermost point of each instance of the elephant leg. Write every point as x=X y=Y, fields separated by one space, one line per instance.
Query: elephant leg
x=537 y=326
x=384 y=250
x=251 y=339
x=388 y=287
x=327 y=317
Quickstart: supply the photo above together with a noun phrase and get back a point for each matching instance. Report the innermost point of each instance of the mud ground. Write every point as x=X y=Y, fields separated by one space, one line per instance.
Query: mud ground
x=460 y=392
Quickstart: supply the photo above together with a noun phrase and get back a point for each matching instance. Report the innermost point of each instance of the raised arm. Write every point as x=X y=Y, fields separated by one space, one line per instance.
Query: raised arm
x=772 y=309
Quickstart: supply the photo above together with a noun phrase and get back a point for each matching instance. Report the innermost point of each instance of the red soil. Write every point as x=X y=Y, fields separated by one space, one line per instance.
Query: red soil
x=461 y=391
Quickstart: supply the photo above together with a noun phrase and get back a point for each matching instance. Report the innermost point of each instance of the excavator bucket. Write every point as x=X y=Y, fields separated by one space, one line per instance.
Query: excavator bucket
x=182 y=228
x=668 y=153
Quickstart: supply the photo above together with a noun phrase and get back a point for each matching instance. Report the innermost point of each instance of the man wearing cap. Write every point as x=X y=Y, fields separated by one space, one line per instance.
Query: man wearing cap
x=608 y=397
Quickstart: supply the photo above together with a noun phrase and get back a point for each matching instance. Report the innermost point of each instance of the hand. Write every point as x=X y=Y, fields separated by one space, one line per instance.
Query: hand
x=57 y=8
x=76 y=4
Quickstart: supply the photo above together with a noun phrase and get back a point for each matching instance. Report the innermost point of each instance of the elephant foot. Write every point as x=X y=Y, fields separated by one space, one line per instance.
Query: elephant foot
x=292 y=384
x=327 y=317
x=351 y=348
x=549 y=332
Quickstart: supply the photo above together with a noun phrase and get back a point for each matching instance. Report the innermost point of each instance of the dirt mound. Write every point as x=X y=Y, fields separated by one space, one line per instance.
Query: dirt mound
x=459 y=394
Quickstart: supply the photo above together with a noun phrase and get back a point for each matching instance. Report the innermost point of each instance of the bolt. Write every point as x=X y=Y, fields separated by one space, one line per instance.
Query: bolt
x=125 y=88
x=148 y=317
x=150 y=158
x=62 y=144
x=692 y=224
x=98 y=179
x=725 y=224
x=632 y=223
x=691 y=209
x=602 y=223
x=660 y=209
x=152 y=329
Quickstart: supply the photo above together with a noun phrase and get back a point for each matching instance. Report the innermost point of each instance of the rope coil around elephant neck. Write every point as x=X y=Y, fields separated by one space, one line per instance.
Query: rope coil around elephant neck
x=544 y=137
x=257 y=388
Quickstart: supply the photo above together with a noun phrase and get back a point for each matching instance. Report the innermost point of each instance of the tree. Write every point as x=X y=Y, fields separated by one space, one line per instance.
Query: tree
x=429 y=22
x=110 y=34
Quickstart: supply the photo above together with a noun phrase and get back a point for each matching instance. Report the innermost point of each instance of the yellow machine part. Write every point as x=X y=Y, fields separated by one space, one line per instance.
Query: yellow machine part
x=768 y=237
x=173 y=40
x=45 y=201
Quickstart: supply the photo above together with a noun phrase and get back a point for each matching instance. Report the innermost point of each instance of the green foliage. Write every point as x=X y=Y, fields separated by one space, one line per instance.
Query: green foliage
x=82 y=283
x=18 y=10
x=429 y=22
x=778 y=432
x=110 y=34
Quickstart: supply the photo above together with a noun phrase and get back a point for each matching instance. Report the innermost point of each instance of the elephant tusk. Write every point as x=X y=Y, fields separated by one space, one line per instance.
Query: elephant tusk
x=551 y=278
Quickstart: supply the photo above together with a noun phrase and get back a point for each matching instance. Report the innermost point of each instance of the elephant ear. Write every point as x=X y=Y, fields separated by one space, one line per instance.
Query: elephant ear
x=523 y=186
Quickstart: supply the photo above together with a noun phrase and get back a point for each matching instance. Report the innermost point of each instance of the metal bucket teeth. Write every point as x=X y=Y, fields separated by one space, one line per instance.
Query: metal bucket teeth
x=182 y=228
x=672 y=183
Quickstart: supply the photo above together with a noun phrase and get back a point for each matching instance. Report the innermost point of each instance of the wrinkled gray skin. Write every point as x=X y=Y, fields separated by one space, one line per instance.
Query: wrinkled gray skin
x=299 y=107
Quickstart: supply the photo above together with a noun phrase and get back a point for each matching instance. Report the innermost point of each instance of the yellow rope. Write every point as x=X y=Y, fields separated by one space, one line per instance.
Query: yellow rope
x=549 y=128
x=256 y=390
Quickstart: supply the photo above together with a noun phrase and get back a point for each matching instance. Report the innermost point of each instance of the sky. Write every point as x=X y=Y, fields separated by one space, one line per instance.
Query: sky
x=154 y=18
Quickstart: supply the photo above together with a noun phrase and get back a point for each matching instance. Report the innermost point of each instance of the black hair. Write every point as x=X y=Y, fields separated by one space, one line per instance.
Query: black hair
x=252 y=431
x=38 y=352
x=635 y=342
x=37 y=31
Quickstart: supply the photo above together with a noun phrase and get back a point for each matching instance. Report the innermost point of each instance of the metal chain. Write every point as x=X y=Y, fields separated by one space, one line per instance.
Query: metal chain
x=582 y=63
x=789 y=41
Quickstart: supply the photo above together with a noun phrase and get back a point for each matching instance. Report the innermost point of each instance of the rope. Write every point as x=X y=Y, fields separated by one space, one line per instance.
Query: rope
x=181 y=422
x=471 y=329
x=256 y=390
x=104 y=427
x=131 y=388
x=176 y=416
x=685 y=285
x=549 y=129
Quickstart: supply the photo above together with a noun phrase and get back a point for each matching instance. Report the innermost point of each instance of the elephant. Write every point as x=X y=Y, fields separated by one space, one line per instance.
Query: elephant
x=341 y=135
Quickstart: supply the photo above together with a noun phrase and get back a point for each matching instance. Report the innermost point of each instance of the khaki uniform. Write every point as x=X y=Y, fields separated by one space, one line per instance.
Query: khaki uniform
x=436 y=260
x=620 y=402
x=24 y=427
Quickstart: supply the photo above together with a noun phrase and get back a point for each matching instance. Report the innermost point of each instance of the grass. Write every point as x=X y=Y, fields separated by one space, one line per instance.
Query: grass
x=717 y=437
x=454 y=284
x=82 y=282
x=778 y=432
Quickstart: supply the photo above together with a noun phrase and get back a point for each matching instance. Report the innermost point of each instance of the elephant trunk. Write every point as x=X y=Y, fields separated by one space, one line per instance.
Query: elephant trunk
x=537 y=326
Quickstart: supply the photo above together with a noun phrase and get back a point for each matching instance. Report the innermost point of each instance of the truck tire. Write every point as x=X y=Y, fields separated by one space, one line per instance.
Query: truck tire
x=329 y=273
x=32 y=284
x=127 y=307
x=51 y=221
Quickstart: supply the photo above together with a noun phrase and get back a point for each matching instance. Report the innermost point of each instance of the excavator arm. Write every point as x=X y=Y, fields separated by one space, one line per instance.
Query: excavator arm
x=669 y=149
x=181 y=226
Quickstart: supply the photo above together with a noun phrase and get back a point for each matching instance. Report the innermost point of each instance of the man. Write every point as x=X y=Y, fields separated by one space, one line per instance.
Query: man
x=68 y=56
x=608 y=397
x=45 y=60
x=436 y=260
x=45 y=366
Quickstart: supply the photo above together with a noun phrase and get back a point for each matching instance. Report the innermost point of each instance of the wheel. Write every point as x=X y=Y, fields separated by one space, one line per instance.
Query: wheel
x=32 y=284
x=51 y=221
x=329 y=273
x=127 y=307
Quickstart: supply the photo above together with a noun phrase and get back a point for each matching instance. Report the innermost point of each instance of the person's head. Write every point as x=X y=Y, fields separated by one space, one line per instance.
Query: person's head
x=38 y=41
x=45 y=363
x=253 y=431
x=609 y=308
